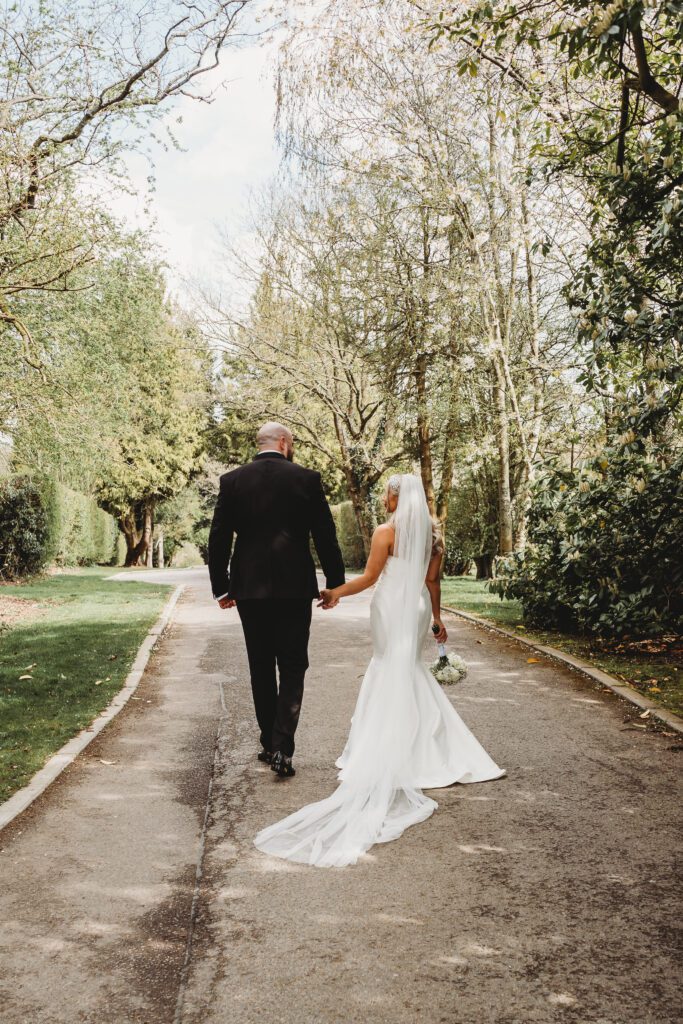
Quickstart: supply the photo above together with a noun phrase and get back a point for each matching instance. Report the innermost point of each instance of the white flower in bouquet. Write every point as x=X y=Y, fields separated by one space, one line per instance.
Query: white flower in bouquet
x=448 y=668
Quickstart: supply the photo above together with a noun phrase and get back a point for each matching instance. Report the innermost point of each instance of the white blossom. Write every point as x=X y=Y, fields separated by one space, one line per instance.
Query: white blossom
x=449 y=669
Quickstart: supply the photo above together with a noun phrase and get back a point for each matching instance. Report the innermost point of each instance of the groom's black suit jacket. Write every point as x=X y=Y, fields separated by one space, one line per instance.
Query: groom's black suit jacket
x=273 y=507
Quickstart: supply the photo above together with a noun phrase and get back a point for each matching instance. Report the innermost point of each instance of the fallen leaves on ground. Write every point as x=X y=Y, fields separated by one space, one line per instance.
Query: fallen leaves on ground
x=16 y=609
x=669 y=644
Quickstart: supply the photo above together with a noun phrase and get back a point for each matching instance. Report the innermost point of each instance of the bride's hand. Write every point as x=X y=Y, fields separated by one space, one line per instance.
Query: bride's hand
x=442 y=636
x=327 y=600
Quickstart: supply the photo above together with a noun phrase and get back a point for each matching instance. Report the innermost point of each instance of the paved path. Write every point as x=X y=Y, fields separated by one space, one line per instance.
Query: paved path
x=546 y=896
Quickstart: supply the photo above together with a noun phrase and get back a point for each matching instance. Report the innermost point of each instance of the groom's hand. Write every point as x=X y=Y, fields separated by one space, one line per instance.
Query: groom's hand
x=226 y=602
x=327 y=600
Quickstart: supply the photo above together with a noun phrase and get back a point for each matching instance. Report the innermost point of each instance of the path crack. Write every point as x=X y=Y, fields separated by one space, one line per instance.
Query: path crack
x=199 y=869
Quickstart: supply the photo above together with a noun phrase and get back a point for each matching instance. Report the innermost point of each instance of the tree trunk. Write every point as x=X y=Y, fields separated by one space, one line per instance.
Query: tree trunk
x=131 y=550
x=138 y=541
x=448 y=459
x=133 y=537
x=361 y=499
x=423 y=431
x=646 y=82
x=160 y=550
x=528 y=475
x=522 y=521
x=447 y=468
x=360 y=479
x=454 y=397
x=148 y=536
x=502 y=436
x=484 y=564
x=462 y=568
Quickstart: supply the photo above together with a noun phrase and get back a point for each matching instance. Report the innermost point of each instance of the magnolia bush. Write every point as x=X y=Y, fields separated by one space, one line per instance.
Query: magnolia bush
x=604 y=553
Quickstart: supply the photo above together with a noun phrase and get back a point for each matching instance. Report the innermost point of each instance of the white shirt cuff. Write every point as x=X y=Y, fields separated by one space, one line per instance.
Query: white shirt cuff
x=221 y=596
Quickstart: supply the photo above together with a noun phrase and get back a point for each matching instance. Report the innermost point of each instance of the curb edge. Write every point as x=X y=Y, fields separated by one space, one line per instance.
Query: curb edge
x=67 y=754
x=628 y=693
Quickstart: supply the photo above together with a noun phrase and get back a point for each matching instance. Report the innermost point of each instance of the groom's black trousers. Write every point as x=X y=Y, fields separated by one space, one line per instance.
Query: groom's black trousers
x=276 y=632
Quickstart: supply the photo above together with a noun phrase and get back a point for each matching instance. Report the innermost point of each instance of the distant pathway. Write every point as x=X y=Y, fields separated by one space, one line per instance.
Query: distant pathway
x=546 y=896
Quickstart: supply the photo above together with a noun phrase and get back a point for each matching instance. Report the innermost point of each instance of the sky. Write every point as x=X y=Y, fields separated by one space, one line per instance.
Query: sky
x=228 y=151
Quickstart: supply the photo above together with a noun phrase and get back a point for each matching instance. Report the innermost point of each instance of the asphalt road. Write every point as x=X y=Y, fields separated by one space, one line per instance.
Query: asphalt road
x=131 y=892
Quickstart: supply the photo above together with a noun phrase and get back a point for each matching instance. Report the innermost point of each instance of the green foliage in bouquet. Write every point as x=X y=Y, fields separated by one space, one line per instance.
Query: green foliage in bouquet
x=604 y=553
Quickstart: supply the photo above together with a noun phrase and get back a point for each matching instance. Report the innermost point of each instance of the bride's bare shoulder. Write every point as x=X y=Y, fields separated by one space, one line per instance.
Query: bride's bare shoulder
x=384 y=534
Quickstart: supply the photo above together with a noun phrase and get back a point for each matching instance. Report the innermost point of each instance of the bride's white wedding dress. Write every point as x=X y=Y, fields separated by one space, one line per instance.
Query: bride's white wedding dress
x=405 y=734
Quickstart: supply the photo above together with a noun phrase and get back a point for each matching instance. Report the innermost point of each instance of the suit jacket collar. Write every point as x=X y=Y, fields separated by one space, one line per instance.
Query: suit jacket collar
x=269 y=455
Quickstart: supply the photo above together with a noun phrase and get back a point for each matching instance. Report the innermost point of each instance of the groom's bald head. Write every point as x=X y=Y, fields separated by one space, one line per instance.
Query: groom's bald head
x=276 y=437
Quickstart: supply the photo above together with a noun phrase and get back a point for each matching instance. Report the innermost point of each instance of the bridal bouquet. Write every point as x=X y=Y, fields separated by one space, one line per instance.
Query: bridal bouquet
x=448 y=668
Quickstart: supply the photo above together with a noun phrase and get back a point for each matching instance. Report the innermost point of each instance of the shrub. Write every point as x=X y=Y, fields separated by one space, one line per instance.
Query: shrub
x=604 y=552
x=27 y=525
x=454 y=561
x=186 y=555
x=42 y=522
x=470 y=532
x=201 y=538
x=348 y=535
x=178 y=518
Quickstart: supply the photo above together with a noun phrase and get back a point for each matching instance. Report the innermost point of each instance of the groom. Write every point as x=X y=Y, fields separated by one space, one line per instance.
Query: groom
x=273 y=507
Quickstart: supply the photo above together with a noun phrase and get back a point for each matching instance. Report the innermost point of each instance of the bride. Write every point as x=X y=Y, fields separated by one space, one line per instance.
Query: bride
x=405 y=734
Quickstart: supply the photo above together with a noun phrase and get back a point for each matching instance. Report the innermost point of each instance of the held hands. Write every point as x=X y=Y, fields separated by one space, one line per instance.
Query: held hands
x=327 y=600
x=442 y=636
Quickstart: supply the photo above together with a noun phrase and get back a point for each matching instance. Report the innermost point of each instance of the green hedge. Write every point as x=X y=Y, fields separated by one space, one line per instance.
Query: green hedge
x=348 y=534
x=85 y=533
x=43 y=523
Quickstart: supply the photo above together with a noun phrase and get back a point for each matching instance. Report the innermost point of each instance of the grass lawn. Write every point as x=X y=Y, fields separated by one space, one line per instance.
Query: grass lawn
x=74 y=646
x=655 y=668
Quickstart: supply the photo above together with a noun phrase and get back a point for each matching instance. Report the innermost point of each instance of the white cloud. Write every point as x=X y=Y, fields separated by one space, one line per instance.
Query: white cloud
x=228 y=150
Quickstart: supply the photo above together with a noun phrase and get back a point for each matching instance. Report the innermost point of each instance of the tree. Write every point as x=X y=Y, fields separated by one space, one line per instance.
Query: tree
x=164 y=402
x=73 y=77
x=302 y=351
x=457 y=225
x=601 y=556
x=615 y=129
x=176 y=521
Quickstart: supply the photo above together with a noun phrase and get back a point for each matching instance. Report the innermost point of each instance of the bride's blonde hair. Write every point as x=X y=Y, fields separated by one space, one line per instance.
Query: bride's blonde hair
x=394 y=487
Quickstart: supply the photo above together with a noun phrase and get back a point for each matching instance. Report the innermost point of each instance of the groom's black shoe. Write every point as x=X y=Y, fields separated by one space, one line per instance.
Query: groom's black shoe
x=282 y=765
x=265 y=755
